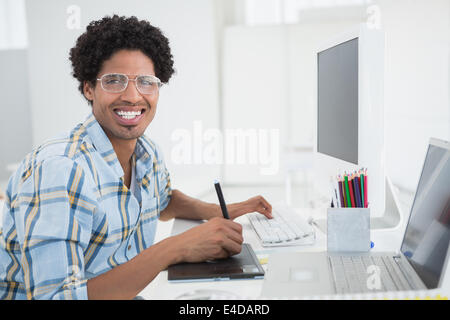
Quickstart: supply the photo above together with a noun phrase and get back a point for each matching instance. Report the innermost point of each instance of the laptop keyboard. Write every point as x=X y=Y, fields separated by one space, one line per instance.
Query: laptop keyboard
x=352 y=274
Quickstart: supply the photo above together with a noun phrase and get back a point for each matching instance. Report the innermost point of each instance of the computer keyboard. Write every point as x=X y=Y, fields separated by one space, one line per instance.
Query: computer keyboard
x=350 y=274
x=285 y=229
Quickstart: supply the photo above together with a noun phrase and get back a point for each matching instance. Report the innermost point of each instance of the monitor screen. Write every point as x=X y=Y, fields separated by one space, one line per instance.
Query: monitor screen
x=337 y=89
x=427 y=235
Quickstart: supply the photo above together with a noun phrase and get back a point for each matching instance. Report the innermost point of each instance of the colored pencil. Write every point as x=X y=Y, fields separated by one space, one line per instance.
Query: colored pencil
x=366 y=203
x=347 y=192
x=357 y=193
x=341 y=192
x=361 y=176
x=352 y=197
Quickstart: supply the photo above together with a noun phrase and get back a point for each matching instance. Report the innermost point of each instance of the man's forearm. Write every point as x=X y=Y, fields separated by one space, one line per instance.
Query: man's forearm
x=127 y=280
x=183 y=206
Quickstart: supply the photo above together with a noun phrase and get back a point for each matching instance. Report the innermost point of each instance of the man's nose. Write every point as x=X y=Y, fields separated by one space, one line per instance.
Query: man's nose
x=131 y=93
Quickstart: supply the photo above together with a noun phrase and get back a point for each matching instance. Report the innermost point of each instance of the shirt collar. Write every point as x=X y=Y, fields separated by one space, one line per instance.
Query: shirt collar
x=144 y=151
x=145 y=156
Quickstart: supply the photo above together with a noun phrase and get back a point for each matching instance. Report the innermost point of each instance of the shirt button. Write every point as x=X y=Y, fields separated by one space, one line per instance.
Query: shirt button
x=129 y=247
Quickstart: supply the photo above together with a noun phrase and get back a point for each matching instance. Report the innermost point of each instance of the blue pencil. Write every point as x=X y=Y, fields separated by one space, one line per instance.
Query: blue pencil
x=358 y=194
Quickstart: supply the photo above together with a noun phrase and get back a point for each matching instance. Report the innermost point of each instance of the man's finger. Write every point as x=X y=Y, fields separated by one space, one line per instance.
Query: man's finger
x=264 y=208
x=266 y=204
x=235 y=236
x=232 y=247
x=265 y=212
x=233 y=225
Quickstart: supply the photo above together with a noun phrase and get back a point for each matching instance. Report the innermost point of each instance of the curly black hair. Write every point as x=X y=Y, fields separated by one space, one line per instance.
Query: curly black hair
x=105 y=37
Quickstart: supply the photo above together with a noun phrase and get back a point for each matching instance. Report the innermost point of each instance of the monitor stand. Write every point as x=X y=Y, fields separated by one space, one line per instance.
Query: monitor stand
x=393 y=216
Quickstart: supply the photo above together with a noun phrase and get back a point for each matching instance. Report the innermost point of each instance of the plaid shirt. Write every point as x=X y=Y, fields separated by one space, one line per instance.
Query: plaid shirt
x=68 y=215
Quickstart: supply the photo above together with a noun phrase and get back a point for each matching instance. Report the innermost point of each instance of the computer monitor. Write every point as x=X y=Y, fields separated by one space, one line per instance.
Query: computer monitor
x=350 y=114
x=337 y=101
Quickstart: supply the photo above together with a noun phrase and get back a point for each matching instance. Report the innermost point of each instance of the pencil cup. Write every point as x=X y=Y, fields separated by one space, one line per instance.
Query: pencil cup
x=348 y=229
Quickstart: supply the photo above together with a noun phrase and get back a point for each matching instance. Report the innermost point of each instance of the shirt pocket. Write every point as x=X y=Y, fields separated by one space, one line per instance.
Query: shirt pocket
x=121 y=217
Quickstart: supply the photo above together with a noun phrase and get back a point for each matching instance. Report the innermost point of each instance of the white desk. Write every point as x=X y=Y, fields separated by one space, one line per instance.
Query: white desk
x=160 y=288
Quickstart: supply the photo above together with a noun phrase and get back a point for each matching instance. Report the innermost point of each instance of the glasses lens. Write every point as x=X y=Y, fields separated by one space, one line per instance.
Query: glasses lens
x=114 y=82
x=148 y=84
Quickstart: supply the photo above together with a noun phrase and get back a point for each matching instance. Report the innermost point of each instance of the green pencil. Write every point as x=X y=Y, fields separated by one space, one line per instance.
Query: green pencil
x=349 y=204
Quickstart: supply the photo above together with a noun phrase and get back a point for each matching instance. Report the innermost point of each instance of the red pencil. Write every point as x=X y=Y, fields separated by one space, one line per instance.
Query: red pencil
x=366 y=204
x=350 y=186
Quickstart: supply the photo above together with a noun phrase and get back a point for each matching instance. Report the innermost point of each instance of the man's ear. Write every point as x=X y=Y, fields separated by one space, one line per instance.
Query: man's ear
x=88 y=91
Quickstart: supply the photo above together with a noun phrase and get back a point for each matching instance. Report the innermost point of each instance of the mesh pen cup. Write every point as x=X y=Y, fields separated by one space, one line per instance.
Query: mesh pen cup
x=348 y=229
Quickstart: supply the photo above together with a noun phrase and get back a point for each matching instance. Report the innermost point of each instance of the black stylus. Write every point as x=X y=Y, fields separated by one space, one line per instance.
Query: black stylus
x=223 y=206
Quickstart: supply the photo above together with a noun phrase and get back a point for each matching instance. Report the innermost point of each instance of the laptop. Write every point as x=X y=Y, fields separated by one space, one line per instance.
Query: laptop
x=419 y=265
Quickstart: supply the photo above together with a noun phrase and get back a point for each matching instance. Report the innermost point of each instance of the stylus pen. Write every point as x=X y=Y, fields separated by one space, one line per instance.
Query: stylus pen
x=223 y=206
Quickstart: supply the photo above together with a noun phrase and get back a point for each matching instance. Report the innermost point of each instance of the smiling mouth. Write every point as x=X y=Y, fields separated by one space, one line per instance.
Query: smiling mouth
x=128 y=113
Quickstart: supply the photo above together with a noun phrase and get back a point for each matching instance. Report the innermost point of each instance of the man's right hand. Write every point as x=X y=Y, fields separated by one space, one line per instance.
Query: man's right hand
x=215 y=239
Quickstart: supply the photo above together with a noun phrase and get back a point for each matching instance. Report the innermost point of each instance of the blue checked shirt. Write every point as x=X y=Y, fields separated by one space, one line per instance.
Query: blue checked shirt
x=68 y=215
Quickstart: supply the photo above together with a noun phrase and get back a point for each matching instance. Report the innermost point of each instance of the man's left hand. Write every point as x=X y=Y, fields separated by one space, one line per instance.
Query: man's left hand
x=255 y=204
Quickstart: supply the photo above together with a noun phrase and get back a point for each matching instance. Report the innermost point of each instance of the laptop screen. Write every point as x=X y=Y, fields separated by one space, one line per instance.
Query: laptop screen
x=427 y=234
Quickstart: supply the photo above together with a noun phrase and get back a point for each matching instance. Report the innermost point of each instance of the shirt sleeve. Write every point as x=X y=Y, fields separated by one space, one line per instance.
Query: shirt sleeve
x=54 y=223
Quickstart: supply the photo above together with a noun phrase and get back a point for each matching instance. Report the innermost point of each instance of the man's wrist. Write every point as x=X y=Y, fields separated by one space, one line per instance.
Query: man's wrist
x=173 y=249
x=213 y=211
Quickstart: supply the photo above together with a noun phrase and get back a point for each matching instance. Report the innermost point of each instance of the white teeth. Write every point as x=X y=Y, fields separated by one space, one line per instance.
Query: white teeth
x=128 y=115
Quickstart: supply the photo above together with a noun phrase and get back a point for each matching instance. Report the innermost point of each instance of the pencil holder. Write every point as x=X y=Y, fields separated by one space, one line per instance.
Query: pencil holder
x=348 y=229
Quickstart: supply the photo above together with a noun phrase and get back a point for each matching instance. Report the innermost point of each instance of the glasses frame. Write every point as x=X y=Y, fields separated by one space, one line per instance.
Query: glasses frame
x=158 y=82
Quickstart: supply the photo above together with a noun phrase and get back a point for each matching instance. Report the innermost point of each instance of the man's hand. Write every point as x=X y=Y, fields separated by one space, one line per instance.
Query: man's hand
x=215 y=239
x=185 y=207
x=255 y=204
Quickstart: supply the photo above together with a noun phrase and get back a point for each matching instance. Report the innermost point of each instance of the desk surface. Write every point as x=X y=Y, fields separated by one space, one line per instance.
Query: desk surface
x=160 y=288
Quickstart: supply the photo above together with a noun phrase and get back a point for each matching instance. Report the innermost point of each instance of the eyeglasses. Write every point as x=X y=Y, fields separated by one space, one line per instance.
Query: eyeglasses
x=118 y=82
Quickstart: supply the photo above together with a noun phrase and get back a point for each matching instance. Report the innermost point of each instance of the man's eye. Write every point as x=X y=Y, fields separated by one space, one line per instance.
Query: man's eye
x=147 y=82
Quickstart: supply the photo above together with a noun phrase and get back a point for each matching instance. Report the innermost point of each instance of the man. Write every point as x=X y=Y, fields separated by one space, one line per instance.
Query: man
x=81 y=210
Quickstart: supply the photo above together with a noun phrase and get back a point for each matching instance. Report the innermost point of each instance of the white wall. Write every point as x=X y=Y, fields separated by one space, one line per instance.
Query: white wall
x=191 y=94
x=13 y=33
x=417 y=83
x=15 y=119
x=269 y=82
x=254 y=91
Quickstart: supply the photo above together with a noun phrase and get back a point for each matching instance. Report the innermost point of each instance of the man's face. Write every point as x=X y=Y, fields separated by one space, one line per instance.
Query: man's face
x=112 y=110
